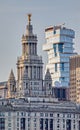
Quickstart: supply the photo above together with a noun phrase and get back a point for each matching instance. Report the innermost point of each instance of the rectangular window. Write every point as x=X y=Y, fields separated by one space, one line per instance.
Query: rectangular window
x=68 y=124
x=46 y=114
x=46 y=124
x=55 y=67
x=51 y=124
x=34 y=72
x=62 y=66
x=17 y=113
x=79 y=125
x=62 y=78
x=34 y=114
x=28 y=114
x=51 y=114
x=22 y=124
x=9 y=113
x=55 y=49
x=2 y=123
x=41 y=114
x=41 y=124
x=60 y=47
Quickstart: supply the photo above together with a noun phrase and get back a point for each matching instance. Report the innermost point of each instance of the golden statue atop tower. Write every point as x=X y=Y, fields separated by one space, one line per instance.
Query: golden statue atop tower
x=29 y=18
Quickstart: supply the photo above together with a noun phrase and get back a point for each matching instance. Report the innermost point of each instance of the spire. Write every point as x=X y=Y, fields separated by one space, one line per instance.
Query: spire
x=11 y=76
x=48 y=75
x=29 y=28
x=29 y=19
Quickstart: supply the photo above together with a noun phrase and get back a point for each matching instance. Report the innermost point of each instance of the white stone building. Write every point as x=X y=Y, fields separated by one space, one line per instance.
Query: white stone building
x=38 y=114
x=29 y=65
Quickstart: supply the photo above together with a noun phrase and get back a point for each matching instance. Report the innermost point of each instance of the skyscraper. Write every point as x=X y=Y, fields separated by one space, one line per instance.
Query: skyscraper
x=59 y=46
x=75 y=78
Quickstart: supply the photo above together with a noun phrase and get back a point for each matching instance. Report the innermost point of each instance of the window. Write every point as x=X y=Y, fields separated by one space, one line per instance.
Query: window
x=17 y=124
x=9 y=113
x=34 y=125
x=22 y=113
x=55 y=49
x=57 y=115
x=55 y=67
x=26 y=85
x=22 y=123
x=58 y=120
x=54 y=31
x=51 y=114
x=34 y=114
x=9 y=124
x=62 y=78
x=41 y=114
x=2 y=123
x=2 y=114
x=46 y=114
x=28 y=119
x=63 y=120
x=60 y=47
x=28 y=114
x=34 y=72
x=62 y=66
x=63 y=125
x=17 y=113
x=17 y=119
x=9 y=119
x=34 y=119
x=69 y=115
x=9 y=128
x=63 y=115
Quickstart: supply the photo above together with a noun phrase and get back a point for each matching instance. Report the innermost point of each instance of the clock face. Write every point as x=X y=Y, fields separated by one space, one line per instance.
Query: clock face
x=57 y=84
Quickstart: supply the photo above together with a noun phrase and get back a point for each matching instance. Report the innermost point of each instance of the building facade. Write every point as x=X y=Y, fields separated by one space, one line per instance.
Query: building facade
x=3 y=89
x=75 y=78
x=38 y=114
x=59 y=46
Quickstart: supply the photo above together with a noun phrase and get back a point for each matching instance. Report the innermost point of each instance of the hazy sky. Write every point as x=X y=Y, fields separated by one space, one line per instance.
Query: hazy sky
x=13 y=21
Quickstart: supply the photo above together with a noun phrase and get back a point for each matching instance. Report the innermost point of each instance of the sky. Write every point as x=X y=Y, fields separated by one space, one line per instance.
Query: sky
x=13 y=21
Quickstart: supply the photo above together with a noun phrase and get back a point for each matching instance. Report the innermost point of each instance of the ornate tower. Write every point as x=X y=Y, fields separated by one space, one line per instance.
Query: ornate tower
x=11 y=85
x=30 y=62
x=48 y=83
x=24 y=85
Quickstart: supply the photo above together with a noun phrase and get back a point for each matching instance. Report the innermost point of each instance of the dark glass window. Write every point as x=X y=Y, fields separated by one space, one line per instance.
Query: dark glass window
x=79 y=125
x=2 y=123
x=54 y=31
x=46 y=124
x=55 y=67
x=68 y=124
x=22 y=124
x=51 y=114
x=51 y=124
x=41 y=124
x=60 y=47
x=55 y=49
x=62 y=66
